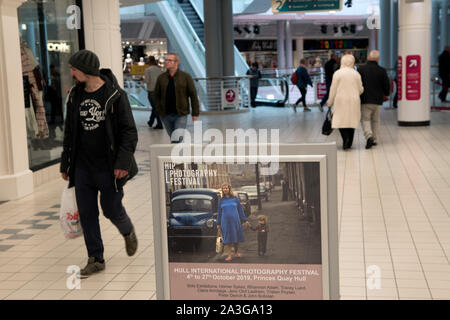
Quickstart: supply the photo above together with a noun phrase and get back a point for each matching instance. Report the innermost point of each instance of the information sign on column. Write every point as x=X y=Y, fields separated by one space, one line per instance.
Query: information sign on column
x=413 y=77
x=321 y=90
x=399 y=78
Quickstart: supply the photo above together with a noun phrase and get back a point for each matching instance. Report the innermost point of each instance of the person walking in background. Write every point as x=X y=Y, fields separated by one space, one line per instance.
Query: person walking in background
x=330 y=68
x=345 y=91
x=173 y=90
x=263 y=229
x=254 y=82
x=151 y=75
x=444 y=73
x=376 y=87
x=100 y=139
x=230 y=217
x=302 y=83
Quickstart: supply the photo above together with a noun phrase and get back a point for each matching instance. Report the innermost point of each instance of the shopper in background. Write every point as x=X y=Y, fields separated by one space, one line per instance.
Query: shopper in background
x=302 y=83
x=174 y=88
x=345 y=92
x=444 y=72
x=376 y=89
x=254 y=82
x=330 y=68
x=100 y=139
x=151 y=75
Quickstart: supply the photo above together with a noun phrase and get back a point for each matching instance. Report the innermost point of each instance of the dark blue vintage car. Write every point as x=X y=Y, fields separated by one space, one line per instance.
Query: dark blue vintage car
x=192 y=215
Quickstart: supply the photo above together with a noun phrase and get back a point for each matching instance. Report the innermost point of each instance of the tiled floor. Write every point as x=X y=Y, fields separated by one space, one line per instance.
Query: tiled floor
x=393 y=217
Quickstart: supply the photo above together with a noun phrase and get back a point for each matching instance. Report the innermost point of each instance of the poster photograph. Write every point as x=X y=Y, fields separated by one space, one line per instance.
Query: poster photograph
x=231 y=232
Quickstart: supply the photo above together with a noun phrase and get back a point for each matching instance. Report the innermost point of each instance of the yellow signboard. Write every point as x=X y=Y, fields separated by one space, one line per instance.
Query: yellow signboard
x=138 y=70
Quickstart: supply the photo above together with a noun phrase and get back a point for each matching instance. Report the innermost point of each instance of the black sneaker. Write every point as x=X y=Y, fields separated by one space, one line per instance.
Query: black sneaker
x=150 y=124
x=92 y=267
x=158 y=127
x=370 y=143
x=131 y=243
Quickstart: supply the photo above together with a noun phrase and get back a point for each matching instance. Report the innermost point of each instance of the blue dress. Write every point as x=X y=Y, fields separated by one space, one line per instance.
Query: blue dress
x=229 y=217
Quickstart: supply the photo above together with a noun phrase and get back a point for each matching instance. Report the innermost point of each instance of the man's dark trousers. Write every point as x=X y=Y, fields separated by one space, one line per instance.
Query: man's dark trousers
x=253 y=94
x=87 y=186
x=325 y=97
x=154 y=114
x=445 y=86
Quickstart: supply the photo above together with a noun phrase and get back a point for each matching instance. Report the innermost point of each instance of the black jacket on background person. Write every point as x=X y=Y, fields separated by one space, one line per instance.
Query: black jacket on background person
x=376 y=83
x=120 y=128
x=444 y=64
x=330 y=68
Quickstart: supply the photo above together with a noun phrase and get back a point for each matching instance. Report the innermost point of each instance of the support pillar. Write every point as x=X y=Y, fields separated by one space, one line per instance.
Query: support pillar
x=373 y=39
x=444 y=25
x=213 y=38
x=281 y=31
x=434 y=33
x=102 y=33
x=394 y=33
x=16 y=179
x=298 y=52
x=227 y=37
x=414 y=35
x=288 y=45
x=384 y=42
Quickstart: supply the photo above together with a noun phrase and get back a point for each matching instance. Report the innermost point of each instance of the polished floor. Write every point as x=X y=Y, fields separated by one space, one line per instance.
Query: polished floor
x=393 y=205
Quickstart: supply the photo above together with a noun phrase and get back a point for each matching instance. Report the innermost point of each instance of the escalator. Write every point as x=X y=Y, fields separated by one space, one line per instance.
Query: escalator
x=195 y=20
x=183 y=23
x=272 y=92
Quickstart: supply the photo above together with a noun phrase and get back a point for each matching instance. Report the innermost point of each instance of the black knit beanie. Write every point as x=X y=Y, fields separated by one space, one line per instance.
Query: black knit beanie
x=86 y=61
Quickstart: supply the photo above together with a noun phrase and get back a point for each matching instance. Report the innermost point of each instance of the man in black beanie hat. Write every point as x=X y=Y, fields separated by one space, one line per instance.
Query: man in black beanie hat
x=100 y=139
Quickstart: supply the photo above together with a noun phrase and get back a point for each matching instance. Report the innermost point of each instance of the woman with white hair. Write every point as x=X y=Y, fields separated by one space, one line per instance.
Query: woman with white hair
x=345 y=91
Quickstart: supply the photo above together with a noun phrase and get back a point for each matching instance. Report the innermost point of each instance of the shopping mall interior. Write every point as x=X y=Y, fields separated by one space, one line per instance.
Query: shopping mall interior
x=377 y=220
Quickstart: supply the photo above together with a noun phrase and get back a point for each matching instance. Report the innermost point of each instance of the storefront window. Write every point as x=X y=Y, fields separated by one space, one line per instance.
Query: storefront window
x=49 y=35
x=135 y=61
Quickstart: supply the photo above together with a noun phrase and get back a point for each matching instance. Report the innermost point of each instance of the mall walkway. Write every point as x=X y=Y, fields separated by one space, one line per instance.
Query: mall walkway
x=393 y=212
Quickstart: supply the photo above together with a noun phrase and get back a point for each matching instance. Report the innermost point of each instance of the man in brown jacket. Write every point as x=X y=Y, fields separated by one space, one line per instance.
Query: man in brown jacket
x=172 y=92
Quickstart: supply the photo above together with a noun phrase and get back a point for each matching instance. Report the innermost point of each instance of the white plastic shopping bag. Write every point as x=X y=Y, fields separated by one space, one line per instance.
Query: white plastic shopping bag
x=68 y=214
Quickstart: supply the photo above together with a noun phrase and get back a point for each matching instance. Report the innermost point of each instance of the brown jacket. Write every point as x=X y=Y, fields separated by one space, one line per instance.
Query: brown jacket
x=184 y=89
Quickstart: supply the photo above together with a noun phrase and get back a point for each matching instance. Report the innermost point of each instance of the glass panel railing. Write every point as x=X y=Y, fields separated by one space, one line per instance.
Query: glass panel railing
x=272 y=92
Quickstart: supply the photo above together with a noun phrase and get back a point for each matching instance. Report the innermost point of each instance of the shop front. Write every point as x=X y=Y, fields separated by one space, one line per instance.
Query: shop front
x=318 y=52
x=135 y=61
x=264 y=52
x=50 y=32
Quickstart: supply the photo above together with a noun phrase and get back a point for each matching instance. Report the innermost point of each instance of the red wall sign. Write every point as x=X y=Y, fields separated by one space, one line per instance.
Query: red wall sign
x=321 y=90
x=413 y=77
x=399 y=77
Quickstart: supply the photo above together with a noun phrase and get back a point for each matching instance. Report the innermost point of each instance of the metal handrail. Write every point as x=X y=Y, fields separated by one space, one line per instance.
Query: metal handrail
x=225 y=78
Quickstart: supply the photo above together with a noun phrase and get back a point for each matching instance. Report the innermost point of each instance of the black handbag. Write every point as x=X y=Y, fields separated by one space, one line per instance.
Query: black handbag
x=326 y=127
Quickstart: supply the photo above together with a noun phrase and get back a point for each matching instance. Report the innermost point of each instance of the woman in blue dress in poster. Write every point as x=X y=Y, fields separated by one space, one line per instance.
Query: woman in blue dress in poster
x=230 y=218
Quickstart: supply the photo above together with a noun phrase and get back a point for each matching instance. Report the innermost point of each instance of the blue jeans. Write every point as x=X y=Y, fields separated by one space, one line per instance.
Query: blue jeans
x=173 y=122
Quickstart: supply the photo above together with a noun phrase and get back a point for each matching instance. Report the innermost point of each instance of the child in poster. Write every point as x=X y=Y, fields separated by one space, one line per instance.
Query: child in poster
x=262 y=229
